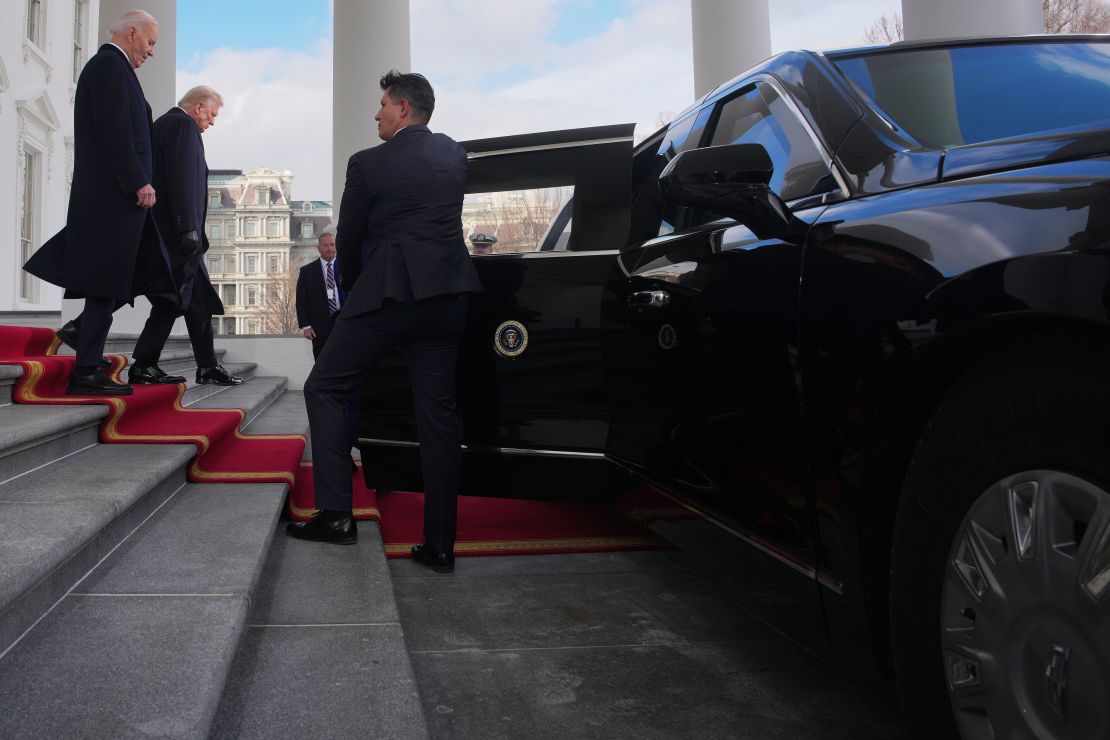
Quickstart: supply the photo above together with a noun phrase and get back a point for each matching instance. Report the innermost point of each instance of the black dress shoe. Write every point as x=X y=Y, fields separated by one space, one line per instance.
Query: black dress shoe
x=217 y=376
x=67 y=335
x=439 y=562
x=96 y=384
x=336 y=527
x=139 y=374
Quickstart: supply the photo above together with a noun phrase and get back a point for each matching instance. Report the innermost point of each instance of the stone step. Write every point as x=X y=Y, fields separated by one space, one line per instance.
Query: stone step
x=321 y=614
x=32 y=436
x=53 y=458
x=195 y=391
x=142 y=646
x=58 y=521
x=9 y=374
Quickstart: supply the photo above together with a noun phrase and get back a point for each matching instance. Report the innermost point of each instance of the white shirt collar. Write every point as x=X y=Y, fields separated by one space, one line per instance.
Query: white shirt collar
x=121 y=51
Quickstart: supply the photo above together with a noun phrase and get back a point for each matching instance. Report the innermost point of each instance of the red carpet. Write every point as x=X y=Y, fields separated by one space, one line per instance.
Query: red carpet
x=153 y=414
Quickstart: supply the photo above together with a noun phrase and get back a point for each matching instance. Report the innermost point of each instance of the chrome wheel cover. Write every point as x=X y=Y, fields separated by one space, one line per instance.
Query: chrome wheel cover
x=1025 y=610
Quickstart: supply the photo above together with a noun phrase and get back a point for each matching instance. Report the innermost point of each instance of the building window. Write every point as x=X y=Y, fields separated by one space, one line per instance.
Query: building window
x=35 y=17
x=27 y=235
x=250 y=227
x=273 y=227
x=213 y=200
x=263 y=196
x=306 y=230
x=252 y=295
x=214 y=266
x=274 y=263
x=229 y=327
x=215 y=325
x=227 y=295
x=250 y=263
x=80 y=31
x=252 y=326
x=229 y=261
x=231 y=230
x=214 y=231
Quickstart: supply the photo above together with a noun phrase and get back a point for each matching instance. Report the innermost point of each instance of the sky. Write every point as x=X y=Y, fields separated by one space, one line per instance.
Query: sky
x=498 y=67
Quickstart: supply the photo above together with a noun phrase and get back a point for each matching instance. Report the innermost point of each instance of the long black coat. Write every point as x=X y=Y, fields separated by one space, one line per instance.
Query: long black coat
x=181 y=184
x=94 y=254
x=400 y=234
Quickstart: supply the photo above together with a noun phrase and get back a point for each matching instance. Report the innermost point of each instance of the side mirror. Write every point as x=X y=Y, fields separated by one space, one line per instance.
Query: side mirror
x=732 y=180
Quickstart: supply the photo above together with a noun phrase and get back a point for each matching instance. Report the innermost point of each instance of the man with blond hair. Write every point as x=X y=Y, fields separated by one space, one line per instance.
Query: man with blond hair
x=109 y=251
x=181 y=177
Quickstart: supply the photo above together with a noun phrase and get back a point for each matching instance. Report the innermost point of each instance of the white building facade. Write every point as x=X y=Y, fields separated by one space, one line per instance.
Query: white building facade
x=259 y=237
x=43 y=46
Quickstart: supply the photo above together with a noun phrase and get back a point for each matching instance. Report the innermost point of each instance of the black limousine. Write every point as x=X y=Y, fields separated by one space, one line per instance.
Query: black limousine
x=854 y=307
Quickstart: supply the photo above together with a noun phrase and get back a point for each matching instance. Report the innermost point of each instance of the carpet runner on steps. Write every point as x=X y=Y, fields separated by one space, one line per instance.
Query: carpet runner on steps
x=154 y=414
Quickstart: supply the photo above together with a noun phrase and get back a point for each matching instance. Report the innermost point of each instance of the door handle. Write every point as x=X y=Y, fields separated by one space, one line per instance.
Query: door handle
x=649 y=299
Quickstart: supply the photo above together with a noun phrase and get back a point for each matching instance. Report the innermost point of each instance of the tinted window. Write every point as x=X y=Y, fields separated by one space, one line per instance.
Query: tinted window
x=948 y=97
x=650 y=216
x=759 y=116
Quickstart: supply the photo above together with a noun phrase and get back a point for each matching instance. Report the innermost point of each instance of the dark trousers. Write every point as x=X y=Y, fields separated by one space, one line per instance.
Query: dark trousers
x=198 y=321
x=151 y=278
x=429 y=332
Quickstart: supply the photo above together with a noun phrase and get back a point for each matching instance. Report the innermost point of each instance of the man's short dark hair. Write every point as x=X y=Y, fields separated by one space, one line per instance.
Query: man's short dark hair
x=412 y=87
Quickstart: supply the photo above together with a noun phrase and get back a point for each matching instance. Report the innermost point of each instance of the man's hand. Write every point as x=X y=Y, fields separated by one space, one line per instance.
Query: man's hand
x=190 y=244
x=309 y=332
x=145 y=196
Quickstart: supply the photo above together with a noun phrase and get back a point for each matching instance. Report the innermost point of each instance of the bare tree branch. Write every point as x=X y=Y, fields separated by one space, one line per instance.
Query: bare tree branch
x=279 y=301
x=885 y=30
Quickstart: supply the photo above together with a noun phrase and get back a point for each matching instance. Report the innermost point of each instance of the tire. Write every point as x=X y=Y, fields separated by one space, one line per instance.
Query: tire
x=1000 y=575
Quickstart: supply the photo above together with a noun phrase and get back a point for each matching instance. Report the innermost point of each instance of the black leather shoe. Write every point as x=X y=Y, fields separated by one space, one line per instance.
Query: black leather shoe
x=96 y=384
x=217 y=376
x=335 y=527
x=67 y=335
x=439 y=562
x=139 y=374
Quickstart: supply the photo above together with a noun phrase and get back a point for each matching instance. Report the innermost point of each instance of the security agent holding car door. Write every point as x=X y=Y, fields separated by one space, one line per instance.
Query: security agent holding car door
x=181 y=177
x=403 y=259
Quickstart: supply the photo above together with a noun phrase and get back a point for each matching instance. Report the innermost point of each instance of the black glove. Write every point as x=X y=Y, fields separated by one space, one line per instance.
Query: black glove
x=191 y=244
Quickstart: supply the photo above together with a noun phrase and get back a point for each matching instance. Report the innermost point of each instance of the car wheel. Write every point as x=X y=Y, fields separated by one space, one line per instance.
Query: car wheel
x=1000 y=578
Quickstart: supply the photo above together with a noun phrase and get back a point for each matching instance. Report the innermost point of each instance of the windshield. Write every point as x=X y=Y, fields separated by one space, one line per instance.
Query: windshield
x=948 y=97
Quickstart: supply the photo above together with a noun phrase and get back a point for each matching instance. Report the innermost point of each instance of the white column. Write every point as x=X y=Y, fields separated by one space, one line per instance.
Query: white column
x=730 y=37
x=158 y=76
x=939 y=19
x=370 y=38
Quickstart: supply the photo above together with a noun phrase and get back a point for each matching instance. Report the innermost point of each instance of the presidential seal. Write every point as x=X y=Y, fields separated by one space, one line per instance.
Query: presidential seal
x=668 y=337
x=510 y=339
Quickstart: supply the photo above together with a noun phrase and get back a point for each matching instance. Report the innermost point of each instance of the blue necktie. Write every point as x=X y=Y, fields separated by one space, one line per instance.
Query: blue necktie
x=333 y=294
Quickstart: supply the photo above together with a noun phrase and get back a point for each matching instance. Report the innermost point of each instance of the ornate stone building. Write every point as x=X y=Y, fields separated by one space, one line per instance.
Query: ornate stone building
x=259 y=237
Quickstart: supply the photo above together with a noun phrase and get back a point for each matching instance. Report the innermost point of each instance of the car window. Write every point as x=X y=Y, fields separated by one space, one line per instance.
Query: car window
x=759 y=116
x=966 y=95
x=652 y=217
x=515 y=221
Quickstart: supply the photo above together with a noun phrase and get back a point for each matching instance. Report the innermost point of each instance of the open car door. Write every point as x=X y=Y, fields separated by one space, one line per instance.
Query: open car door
x=531 y=385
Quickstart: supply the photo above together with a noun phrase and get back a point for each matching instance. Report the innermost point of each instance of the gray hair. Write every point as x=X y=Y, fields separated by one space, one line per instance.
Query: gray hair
x=131 y=19
x=198 y=94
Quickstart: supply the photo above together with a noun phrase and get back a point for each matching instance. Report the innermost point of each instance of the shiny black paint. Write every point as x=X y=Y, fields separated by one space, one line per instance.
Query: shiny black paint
x=803 y=371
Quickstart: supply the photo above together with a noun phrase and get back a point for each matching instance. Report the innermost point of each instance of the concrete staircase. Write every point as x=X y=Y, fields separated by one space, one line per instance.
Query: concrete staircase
x=124 y=589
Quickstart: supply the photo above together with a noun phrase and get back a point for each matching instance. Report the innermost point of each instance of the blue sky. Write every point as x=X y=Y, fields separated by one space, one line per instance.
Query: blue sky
x=498 y=66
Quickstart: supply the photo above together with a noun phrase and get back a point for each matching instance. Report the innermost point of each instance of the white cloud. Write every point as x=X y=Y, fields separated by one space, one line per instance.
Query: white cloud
x=277 y=113
x=495 y=73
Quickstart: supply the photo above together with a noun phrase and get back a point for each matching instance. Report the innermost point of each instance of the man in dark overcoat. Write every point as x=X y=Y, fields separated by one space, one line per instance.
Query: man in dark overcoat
x=181 y=179
x=110 y=249
x=403 y=261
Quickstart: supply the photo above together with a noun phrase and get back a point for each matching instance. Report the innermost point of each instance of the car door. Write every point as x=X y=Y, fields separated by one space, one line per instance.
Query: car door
x=531 y=390
x=703 y=345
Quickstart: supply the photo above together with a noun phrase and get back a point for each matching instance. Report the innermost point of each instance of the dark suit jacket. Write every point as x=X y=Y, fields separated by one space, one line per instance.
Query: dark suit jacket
x=112 y=136
x=312 y=301
x=181 y=186
x=399 y=234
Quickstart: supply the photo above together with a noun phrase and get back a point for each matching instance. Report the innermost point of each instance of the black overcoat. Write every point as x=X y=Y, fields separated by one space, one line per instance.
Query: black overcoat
x=181 y=184
x=399 y=233
x=94 y=254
